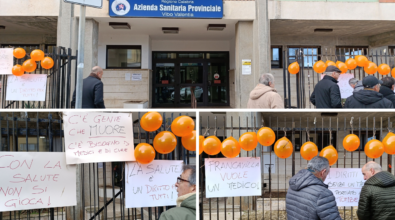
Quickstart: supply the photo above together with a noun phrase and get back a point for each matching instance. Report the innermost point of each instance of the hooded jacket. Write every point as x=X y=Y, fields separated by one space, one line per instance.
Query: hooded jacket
x=388 y=94
x=309 y=198
x=367 y=99
x=326 y=93
x=263 y=96
x=359 y=86
x=377 y=198
x=185 y=211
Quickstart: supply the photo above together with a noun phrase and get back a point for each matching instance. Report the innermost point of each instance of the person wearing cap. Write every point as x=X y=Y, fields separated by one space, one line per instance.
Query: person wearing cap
x=387 y=89
x=369 y=97
x=326 y=93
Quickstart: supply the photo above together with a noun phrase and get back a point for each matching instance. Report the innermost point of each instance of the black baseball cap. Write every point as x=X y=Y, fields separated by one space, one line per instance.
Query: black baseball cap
x=370 y=81
x=332 y=69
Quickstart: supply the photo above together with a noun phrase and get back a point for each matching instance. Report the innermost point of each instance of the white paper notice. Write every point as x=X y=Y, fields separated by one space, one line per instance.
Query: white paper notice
x=137 y=77
x=345 y=89
x=28 y=87
x=127 y=76
x=246 y=67
x=36 y=181
x=226 y=177
x=153 y=184
x=6 y=61
x=346 y=185
x=98 y=137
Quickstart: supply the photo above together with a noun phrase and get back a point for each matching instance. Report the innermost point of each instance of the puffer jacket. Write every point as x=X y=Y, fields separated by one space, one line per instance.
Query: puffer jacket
x=308 y=198
x=359 y=86
x=388 y=94
x=377 y=198
x=367 y=99
x=263 y=96
x=326 y=94
x=185 y=211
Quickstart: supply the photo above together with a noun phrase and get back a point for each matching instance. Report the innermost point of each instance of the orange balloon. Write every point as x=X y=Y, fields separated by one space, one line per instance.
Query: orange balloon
x=384 y=69
x=151 y=121
x=17 y=70
x=330 y=63
x=189 y=141
x=342 y=67
x=283 y=148
x=337 y=62
x=266 y=136
x=293 y=68
x=361 y=60
x=387 y=136
x=29 y=66
x=309 y=150
x=393 y=72
x=230 y=147
x=330 y=153
x=165 y=142
x=37 y=55
x=248 y=141
x=389 y=143
x=370 y=68
x=19 y=53
x=144 y=153
x=212 y=145
x=182 y=126
x=319 y=66
x=374 y=149
x=47 y=63
x=351 y=63
x=351 y=142
x=201 y=139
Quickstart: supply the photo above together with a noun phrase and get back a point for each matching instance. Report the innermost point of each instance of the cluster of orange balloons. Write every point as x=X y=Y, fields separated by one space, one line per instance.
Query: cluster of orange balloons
x=374 y=148
x=165 y=141
x=30 y=65
x=230 y=147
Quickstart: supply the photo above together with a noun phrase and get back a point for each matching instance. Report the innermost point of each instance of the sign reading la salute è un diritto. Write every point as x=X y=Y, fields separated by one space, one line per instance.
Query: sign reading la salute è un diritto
x=166 y=8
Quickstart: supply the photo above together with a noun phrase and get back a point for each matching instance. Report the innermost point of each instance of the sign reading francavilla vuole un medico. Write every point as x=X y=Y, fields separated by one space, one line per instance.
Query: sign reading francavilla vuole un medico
x=167 y=8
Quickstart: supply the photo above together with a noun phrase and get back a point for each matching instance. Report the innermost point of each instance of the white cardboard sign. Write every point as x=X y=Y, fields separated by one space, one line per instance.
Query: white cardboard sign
x=6 y=61
x=98 y=137
x=346 y=185
x=28 y=87
x=345 y=89
x=226 y=177
x=36 y=180
x=153 y=184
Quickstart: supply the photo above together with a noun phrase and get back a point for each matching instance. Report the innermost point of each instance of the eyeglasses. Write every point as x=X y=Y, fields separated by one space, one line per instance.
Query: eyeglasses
x=179 y=179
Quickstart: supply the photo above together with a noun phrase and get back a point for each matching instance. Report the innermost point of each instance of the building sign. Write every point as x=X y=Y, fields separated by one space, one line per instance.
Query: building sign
x=137 y=77
x=216 y=76
x=166 y=8
x=89 y=3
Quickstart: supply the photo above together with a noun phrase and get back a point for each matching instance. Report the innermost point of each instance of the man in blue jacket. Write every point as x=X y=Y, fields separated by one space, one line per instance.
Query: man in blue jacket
x=308 y=197
x=326 y=93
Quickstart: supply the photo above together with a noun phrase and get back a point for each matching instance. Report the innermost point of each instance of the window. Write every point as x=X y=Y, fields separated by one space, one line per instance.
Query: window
x=345 y=52
x=31 y=147
x=276 y=56
x=391 y=50
x=310 y=54
x=123 y=57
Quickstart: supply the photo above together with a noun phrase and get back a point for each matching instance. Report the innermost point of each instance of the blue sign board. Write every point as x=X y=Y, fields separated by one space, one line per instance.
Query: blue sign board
x=167 y=8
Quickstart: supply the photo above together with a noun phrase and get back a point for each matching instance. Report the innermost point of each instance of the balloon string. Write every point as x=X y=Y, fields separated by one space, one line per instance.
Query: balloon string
x=351 y=124
x=308 y=134
x=205 y=133
x=168 y=127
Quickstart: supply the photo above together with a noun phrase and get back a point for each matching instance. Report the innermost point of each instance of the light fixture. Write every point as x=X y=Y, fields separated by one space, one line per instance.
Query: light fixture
x=216 y=27
x=170 y=30
x=119 y=25
x=2 y=27
x=323 y=30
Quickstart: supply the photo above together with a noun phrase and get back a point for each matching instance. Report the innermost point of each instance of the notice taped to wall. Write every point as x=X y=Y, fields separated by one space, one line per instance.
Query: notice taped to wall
x=28 y=87
x=36 y=180
x=246 y=67
x=346 y=185
x=98 y=137
x=153 y=184
x=6 y=61
x=226 y=177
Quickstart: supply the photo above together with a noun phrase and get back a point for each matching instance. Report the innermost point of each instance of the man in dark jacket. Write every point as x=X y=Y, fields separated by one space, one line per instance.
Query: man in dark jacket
x=308 y=197
x=92 y=90
x=377 y=197
x=387 y=89
x=369 y=97
x=326 y=93
x=186 y=201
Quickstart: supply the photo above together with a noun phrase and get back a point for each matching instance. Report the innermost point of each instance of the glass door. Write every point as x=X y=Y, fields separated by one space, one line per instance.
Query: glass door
x=165 y=84
x=191 y=79
x=217 y=83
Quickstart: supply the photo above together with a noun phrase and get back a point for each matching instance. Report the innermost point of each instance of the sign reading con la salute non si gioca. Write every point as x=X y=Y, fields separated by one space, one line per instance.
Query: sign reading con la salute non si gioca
x=166 y=8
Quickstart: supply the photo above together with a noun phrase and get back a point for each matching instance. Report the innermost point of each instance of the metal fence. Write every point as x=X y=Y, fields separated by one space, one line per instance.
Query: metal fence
x=306 y=79
x=276 y=172
x=59 y=81
x=101 y=185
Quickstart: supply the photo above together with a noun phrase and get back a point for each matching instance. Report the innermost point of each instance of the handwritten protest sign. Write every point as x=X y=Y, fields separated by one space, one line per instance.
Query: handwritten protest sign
x=35 y=181
x=28 y=87
x=153 y=184
x=98 y=137
x=346 y=185
x=6 y=61
x=227 y=177
x=345 y=89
